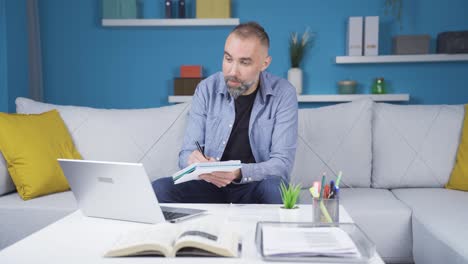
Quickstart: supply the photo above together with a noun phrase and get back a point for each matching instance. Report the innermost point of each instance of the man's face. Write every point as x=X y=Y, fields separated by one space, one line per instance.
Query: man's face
x=243 y=61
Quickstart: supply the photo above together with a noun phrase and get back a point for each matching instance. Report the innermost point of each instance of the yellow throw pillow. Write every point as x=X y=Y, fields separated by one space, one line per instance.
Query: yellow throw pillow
x=31 y=145
x=459 y=177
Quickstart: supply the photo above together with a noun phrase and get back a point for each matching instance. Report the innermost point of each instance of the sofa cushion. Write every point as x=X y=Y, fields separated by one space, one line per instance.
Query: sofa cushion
x=385 y=219
x=21 y=218
x=150 y=136
x=6 y=184
x=459 y=177
x=414 y=145
x=31 y=145
x=440 y=229
x=335 y=138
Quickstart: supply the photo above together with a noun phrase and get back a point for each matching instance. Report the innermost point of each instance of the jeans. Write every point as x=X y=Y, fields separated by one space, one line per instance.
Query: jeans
x=265 y=191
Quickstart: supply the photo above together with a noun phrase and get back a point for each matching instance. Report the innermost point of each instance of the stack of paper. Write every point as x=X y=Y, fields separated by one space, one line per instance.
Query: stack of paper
x=308 y=242
x=192 y=171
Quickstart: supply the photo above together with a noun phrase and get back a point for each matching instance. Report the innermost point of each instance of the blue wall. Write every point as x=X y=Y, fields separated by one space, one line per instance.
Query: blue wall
x=3 y=60
x=87 y=64
x=17 y=51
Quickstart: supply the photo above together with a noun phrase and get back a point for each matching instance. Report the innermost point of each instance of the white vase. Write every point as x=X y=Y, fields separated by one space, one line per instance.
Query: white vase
x=289 y=215
x=295 y=78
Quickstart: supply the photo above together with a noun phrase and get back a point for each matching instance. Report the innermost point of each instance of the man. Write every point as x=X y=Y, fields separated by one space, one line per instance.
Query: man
x=243 y=113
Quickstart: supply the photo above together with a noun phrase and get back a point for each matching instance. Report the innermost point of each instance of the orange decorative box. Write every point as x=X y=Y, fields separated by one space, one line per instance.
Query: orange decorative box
x=191 y=71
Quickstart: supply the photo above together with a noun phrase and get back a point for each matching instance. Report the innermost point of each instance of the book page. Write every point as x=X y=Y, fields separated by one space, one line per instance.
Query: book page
x=156 y=240
x=308 y=242
x=217 y=239
x=194 y=170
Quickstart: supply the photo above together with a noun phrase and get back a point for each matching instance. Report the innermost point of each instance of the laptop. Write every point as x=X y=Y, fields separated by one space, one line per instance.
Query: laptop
x=118 y=190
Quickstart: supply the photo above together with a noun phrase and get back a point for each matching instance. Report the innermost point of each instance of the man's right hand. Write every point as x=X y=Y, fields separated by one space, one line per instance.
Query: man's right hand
x=197 y=156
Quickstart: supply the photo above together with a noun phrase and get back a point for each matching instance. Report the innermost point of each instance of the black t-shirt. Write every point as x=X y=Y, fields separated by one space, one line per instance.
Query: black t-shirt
x=238 y=145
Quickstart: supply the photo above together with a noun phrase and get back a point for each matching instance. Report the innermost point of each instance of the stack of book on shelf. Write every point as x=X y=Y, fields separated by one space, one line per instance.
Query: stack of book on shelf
x=190 y=77
x=213 y=9
x=118 y=9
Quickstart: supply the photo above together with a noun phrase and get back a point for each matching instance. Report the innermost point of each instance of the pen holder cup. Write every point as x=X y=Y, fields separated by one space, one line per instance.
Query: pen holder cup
x=326 y=210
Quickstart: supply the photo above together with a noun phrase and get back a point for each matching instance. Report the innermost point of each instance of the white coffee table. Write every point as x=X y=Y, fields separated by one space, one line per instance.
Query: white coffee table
x=80 y=239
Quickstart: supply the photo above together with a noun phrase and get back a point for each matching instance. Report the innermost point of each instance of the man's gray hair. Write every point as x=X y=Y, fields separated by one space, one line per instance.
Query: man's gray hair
x=252 y=29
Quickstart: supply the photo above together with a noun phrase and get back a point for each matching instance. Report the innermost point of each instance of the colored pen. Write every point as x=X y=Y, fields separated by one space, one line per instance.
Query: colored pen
x=332 y=189
x=202 y=151
x=338 y=179
x=316 y=185
x=322 y=187
x=326 y=192
x=333 y=193
x=337 y=192
x=313 y=191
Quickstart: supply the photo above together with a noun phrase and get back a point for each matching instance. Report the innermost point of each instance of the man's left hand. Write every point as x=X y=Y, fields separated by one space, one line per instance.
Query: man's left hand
x=221 y=178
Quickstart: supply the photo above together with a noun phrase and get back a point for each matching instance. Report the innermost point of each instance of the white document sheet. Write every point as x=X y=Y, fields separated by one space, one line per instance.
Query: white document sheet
x=308 y=242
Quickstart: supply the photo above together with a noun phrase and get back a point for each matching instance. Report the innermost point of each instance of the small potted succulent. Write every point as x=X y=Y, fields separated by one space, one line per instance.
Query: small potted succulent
x=289 y=212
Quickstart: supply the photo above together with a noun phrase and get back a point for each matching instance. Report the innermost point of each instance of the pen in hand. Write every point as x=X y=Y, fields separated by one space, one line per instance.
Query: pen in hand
x=200 y=149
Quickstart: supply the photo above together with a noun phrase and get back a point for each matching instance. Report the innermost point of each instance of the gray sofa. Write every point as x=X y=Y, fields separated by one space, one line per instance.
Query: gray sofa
x=395 y=161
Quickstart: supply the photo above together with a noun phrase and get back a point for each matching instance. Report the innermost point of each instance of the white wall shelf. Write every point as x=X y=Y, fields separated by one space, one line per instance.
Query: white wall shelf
x=179 y=98
x=402 y=58
x=318 y=98
x=145 y=22
x=323 y=98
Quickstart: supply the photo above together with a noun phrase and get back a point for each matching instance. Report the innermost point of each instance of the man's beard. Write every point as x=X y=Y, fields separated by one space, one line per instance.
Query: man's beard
x=236 y=91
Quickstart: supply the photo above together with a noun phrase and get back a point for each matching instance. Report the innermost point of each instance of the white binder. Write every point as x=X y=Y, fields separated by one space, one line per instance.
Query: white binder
x=371 y=36
x=354 y=38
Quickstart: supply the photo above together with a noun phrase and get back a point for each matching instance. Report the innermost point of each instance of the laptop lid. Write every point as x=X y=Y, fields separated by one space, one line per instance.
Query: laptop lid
x=114 y=190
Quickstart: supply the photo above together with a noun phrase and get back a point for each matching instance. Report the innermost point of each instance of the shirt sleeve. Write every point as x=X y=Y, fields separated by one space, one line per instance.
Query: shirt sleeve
x=195 y=129
x=283 y=143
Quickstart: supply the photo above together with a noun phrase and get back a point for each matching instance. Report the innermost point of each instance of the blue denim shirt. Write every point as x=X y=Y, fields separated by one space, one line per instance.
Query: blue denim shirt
x=272 y=125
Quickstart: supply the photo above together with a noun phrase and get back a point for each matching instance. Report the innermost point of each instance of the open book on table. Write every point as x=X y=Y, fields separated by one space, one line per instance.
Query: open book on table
x=192 y=171
x=170 y=240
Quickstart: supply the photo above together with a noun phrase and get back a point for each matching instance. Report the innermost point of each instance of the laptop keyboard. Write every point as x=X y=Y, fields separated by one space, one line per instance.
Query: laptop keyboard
x=173 y=215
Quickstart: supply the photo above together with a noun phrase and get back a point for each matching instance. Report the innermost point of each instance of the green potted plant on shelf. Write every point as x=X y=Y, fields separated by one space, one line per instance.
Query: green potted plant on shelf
x=289 y=212
x=298 y=45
